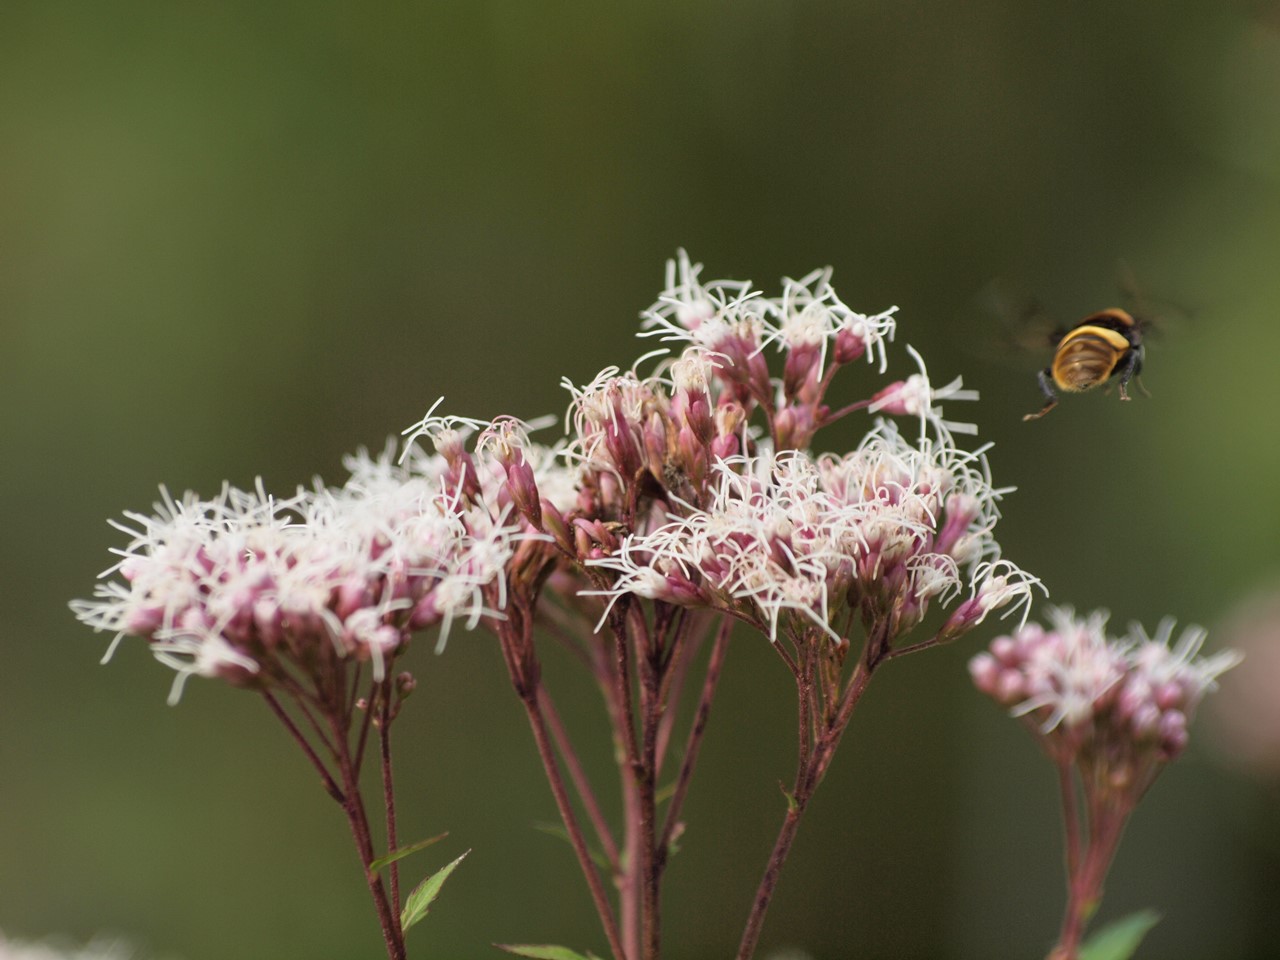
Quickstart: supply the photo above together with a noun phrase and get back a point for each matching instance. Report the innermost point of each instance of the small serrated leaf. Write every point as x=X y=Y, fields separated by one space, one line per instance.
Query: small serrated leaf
x=401 y=852
x=544 y=951
x=1119 y=940
x=416 y=906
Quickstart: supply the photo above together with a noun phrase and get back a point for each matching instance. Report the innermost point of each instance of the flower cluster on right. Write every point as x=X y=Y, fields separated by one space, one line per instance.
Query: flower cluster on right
x=1130 y=697
x=1111 y=713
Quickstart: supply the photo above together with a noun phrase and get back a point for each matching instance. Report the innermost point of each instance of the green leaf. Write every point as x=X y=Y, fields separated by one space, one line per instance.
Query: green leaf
x=663 y=795
x=1118 y=941
x=556 y=830
x=544 y=951
x=402 y=852
x=415 y=908
x=792 y=806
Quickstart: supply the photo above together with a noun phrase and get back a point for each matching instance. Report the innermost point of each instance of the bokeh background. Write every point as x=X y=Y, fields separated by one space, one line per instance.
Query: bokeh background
x=241 y=239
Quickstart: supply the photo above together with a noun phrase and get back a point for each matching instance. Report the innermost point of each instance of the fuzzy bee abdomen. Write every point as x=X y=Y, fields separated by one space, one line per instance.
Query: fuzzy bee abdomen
x=1085 y=361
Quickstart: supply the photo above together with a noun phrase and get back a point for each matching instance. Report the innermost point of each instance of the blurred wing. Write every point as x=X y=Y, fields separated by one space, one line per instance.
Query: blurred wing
x=1023 y=333
x=1158 y=317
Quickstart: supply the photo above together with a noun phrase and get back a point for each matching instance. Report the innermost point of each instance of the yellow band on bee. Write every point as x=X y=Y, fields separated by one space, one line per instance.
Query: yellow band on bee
x=1116 y=340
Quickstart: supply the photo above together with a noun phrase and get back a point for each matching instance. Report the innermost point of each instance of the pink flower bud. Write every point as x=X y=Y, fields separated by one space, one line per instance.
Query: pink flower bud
x=1010 y=687
x=1145 y=720
x=985 y=672
x=1173 y=733
x=1006 y=650
x=849 y=346
x=142 y=621
x=784 y=427
x=1170 y=696
x=725 y=446
x=554 y=524
x=898 y=399
x=426 y=613
x=965 y=616
x=524 y=490
x=353 y=593
x=697 y=415
x=962 y=510
x=802 y=369
x=654 y=439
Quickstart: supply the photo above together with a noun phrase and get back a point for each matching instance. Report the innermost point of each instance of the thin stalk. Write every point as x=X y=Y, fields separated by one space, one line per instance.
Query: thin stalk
x=388 y=788
x=358 y=820
x=826 y=750
x=546 y=750
x=701 y=715
x=1070 y=818
x=625 y=877
x=810 y=772
x=516 y=642
x=646 y=777
x=331 y=787
x=579 y=777
x=622 y=686
x=362 y=739
x=305 y=699
x=844 y=412
x=629 y=877
x=772 y=871
x=1084 y=891
x=672 y=666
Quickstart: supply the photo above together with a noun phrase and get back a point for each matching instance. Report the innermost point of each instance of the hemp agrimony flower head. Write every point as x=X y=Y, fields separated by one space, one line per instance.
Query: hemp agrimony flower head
x=698 y=488
x=312 y=599
x=1128 y=700
x=1111 y=713
x=258 y=591
x=836 y=543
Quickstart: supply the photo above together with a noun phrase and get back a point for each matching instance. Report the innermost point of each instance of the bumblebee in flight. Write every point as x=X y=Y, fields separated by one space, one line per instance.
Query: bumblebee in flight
x=1100 y=347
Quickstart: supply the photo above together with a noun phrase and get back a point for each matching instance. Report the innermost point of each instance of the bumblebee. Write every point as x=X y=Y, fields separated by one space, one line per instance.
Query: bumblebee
x=1100 y=347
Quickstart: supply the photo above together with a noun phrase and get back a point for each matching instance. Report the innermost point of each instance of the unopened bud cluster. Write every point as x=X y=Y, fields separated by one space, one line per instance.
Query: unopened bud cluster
x=1126 y=701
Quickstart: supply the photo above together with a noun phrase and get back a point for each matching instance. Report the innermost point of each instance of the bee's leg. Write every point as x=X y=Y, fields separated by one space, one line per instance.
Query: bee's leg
x=1051 y=398
x=1131 y=366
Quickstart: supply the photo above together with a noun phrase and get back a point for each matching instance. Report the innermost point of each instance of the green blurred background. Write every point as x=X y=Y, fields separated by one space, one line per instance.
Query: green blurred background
x=243 y=239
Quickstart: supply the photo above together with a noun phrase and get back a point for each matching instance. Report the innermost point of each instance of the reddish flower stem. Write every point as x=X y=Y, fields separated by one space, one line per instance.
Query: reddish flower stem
x=682 y=648
x=388 y=914
x=579 y=777
x=388 y=786
x=1070 y=818
x=813 y=762
x=330 y=785
x=347 y=795
x=694 y=742
x=645 y=773
x=1084 y=885
x=546 y=751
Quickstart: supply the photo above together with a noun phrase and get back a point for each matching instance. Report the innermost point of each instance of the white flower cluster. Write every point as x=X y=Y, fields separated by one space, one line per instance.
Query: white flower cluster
x=1080 y=685
x=243 y=584
x=809 y=313
x=884 y=529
